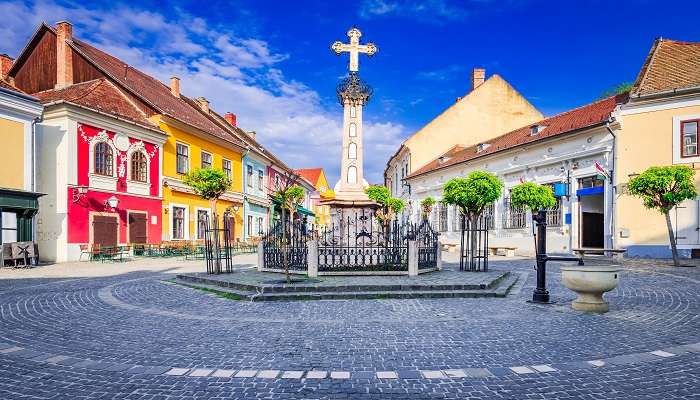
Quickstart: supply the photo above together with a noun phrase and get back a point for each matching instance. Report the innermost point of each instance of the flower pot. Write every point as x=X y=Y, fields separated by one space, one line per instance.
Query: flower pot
x=589 y=283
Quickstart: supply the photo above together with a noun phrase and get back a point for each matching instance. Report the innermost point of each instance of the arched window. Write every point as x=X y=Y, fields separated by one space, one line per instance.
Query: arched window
x=139 y=168
x=352 y=151
x=353 y=129
x=353 y=112
x=352 y=174
x=103 y=159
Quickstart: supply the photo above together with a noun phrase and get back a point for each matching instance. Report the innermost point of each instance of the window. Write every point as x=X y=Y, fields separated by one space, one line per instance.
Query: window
x=260 y=226
x=353 y=129
x=249 y=174
x=226 y=164
x=183 y=158
x=513 y=217
x=352 y=174
x=352 y=151
x=261 y=179
x=353 y=112
x=103 y=159
x=250 y=225
x=689 y=139
x=178 y=223
x=139 y=167
x=554 y=213
x=9 y=227
x=442 y=210
x=590 y=181
x=277 y=181
x=202 y=216
x=489 y=216
x=206 y=160
x=456 y=219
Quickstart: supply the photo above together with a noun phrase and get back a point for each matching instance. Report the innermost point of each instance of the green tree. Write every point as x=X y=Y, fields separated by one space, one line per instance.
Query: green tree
x=210 y=184
x=532 y=196
x=617 y=89
x=471 y=195
x=289 y=196
x=662 y=189
x=389 y=206
x=426 y=206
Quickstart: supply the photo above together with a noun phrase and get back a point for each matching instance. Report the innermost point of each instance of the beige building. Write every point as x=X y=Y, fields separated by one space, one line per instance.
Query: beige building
x=660 y=127
x=491 y=107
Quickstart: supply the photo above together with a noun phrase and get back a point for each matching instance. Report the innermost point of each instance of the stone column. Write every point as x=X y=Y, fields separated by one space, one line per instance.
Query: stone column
x=261 y=257
x=412 y=258
x=312 y=259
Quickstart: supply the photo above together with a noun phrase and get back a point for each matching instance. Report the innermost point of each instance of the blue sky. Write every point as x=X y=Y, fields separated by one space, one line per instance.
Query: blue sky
x=269 y=61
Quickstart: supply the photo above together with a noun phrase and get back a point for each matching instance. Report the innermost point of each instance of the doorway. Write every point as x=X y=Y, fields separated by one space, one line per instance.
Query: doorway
x=591 y=199
x=105 y=230
x=138 y=232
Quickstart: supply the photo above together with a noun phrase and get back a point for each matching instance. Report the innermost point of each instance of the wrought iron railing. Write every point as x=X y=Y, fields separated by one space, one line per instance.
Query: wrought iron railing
x=286 y=243
x=513 y=217
x=217 y=245
x=358 y=242
x=428 y=245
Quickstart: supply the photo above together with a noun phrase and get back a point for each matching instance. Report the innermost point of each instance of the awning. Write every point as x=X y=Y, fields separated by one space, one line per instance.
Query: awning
x=20 y=200
x=305 y=211
x=590 y=191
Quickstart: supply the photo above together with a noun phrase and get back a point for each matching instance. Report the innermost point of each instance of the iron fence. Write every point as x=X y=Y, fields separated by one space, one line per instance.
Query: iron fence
x=286 y=243
x=217 y=245
x=428 y=245
x=474 y=244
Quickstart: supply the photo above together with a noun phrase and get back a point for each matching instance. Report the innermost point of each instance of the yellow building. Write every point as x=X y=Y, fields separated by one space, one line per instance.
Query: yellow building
x=317 y=177
x=660 y=128
x=18 y=197
x=490 y=108
x=188 y=148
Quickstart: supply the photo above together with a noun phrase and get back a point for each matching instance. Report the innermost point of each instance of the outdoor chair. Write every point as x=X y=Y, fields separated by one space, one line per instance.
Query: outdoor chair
x=6 y=253
x=85 y=249
x=95 y=252
x=24 y=252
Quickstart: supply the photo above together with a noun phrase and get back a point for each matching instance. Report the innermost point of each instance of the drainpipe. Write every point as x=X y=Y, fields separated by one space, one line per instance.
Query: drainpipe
x=33 y=185
x=613 y=236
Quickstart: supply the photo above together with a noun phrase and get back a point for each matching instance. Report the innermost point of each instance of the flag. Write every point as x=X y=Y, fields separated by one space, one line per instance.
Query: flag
x=601 y=170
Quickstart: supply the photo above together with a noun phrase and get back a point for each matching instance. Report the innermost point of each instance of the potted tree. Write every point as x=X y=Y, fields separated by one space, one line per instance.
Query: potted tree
x=471 y=195
x=426 y=206
x=289 y=195
x=389 y=206
x=662 y=189
x=210 y=184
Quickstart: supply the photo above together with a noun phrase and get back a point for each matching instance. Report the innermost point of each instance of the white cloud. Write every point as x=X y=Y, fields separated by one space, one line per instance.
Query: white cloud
x=430 y=11
x=237 y=74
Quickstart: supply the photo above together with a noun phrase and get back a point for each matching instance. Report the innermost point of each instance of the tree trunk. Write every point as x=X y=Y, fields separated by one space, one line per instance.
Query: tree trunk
x=473 y=219
x=215 y=226
x=672 y=238
x=285 y=260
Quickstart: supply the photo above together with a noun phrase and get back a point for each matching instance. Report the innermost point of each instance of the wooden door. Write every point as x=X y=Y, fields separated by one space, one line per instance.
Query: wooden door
x=105 y=230
x=138 y=228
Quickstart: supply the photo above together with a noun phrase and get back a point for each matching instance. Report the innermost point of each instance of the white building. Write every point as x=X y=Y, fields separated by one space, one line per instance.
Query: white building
x=562 y=150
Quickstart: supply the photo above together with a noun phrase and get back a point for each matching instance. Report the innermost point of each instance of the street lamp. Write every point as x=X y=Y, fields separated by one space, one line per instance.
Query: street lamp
x=112 y=202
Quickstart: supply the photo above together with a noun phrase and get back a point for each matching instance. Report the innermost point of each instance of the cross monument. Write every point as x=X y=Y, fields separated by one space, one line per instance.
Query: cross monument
x=353 y=94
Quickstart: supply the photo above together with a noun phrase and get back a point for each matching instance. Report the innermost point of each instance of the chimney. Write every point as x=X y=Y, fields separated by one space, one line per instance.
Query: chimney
x=175 y=86
x=203 y=104
x=252 y=134
x=64 y=54
x=5 y=65
x=231 y=118
x=478 y=76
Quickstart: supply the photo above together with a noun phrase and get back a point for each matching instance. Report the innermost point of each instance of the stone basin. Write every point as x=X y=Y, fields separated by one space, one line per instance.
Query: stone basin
x=589 y=283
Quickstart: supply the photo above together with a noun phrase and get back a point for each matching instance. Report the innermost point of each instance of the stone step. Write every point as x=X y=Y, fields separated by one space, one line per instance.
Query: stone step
x=500 y=290
x=314 y=288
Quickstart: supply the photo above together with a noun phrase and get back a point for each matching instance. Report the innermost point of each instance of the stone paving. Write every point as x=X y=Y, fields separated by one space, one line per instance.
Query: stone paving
x=95 y=330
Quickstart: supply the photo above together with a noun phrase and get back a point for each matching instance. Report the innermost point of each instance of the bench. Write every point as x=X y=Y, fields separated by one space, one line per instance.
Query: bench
x=449 y=247
x=509 y=250
x=592 y=250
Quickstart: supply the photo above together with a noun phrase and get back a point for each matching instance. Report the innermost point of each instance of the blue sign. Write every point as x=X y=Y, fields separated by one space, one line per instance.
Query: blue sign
x=590 y=191
x=567 y=218
x=561 y=189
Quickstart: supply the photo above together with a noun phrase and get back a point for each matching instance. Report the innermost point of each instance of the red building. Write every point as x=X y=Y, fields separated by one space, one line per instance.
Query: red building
x=100 y=154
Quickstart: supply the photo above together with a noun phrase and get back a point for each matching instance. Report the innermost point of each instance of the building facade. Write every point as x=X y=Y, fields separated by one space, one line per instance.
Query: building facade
x=570 y=151
x=323 y=192
x=18 y=189
x=257 y=201
x=660 y=128
x=491 y=107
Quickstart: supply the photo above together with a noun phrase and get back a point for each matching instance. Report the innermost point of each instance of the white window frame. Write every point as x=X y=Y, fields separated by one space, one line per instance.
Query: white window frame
x=677 y=142
x=138 y=187
x=352 y=130
x=99 y=181
x=201 y=159
x=186 y=228
x=189 y=157
x=228 y=173
x=196 y=222
x=249 y=175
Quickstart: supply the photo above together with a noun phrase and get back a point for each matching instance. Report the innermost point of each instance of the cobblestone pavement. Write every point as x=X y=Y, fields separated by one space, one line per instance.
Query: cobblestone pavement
x=94 y=330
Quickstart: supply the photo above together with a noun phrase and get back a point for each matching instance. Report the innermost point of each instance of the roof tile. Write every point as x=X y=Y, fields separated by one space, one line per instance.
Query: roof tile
x=670 y=65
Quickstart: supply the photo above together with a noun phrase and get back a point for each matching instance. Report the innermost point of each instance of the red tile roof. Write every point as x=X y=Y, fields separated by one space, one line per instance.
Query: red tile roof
x=152 y=91
x=7 y=85
x=310 y=174
x=670 y=65
x=100 y=95
x=567 y=122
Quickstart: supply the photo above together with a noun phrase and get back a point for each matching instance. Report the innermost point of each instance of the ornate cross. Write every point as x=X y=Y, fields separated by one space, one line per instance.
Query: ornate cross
x=354 y=48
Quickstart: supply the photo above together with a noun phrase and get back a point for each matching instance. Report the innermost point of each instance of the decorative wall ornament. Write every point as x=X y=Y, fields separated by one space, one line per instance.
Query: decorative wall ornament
x=121 y=142
x=121 y=170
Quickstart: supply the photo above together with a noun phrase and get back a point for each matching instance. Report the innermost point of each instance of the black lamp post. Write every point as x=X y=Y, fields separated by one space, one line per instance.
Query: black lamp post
x=541 y=294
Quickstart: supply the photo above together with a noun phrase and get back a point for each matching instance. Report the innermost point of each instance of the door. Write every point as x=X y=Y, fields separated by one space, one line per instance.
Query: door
x=138 y=233
x=105 y=230
x=686 y=223
x=592 y=233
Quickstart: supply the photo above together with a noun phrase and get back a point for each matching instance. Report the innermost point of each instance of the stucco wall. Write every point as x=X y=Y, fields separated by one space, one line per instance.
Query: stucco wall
x=12 y=154
x=490 y=110
x=647 y=140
